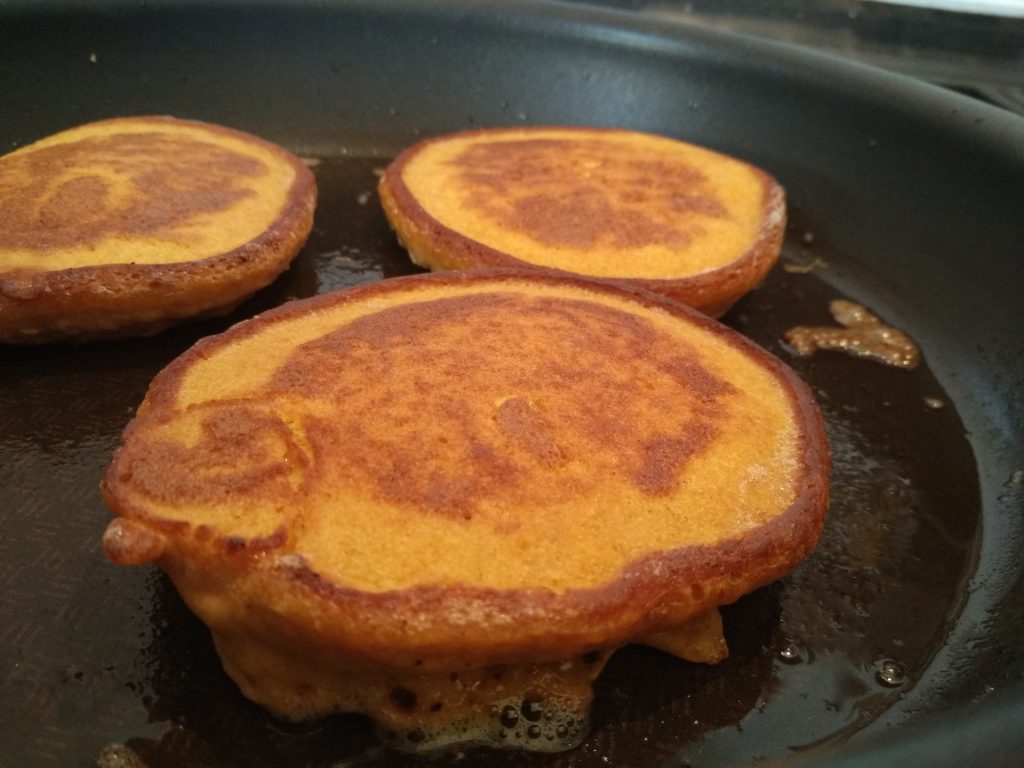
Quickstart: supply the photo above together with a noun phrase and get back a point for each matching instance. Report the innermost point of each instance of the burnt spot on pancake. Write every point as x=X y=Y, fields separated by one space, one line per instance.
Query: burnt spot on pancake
x=129 y=184
x=583 y=193
x=454 y=405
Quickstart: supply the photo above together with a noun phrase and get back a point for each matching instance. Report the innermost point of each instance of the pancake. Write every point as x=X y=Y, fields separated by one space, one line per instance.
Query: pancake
x=692 y=224
x=126 y=226
x=432 y=498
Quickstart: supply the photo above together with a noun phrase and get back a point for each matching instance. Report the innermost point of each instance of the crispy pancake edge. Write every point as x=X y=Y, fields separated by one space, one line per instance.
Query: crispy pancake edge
x=438 y=246
x=81 y=297
x=446 y=625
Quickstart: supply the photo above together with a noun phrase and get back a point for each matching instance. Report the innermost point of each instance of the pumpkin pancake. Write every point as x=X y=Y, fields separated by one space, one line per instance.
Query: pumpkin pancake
x=126 y=226
x=692 y=224
x=433 y=498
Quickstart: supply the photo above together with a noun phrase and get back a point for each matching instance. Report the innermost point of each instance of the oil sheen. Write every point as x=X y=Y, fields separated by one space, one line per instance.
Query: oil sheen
x=813 y=658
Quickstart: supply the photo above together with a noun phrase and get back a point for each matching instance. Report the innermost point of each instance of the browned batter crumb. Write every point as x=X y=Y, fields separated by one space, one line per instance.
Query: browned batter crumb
x=862 y=334
x=804 y=267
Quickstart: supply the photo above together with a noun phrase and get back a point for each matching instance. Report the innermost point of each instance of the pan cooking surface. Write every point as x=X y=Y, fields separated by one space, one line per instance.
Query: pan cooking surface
x=913 y=604
x=104 y=664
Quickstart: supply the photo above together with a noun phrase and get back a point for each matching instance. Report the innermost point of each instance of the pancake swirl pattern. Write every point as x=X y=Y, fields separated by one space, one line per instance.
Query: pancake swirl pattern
x=124 y=226
x=449 y=472
x=692 y=224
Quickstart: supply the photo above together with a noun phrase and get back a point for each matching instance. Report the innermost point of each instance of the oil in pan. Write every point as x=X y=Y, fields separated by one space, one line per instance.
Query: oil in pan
x=122 y=673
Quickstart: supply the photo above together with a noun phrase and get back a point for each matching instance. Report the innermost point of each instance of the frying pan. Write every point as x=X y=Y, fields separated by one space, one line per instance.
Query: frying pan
x=898 y=642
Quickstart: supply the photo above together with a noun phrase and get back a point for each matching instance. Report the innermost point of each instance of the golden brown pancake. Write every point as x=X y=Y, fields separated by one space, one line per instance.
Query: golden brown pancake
x=125 y=226
x=689 y=223
x=431 y=498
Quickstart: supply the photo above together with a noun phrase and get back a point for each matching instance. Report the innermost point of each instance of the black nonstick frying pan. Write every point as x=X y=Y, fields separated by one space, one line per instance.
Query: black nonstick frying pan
x=899 y=642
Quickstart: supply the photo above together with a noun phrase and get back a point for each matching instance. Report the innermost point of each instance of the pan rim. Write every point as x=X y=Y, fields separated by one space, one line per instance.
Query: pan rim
x=1000 y=133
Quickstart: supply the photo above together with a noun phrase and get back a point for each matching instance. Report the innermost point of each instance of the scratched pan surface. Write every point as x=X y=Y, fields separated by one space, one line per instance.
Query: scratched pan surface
x=898 y=642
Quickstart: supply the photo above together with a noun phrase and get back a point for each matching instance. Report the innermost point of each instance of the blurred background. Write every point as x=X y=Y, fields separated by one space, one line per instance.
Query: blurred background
x=975 y=47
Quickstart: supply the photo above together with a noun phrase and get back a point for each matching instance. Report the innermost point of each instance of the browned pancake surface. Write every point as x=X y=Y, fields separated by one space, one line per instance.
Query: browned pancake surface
x=520 y=428
x=124 y=226
x=76 y=196
x=574 y=192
